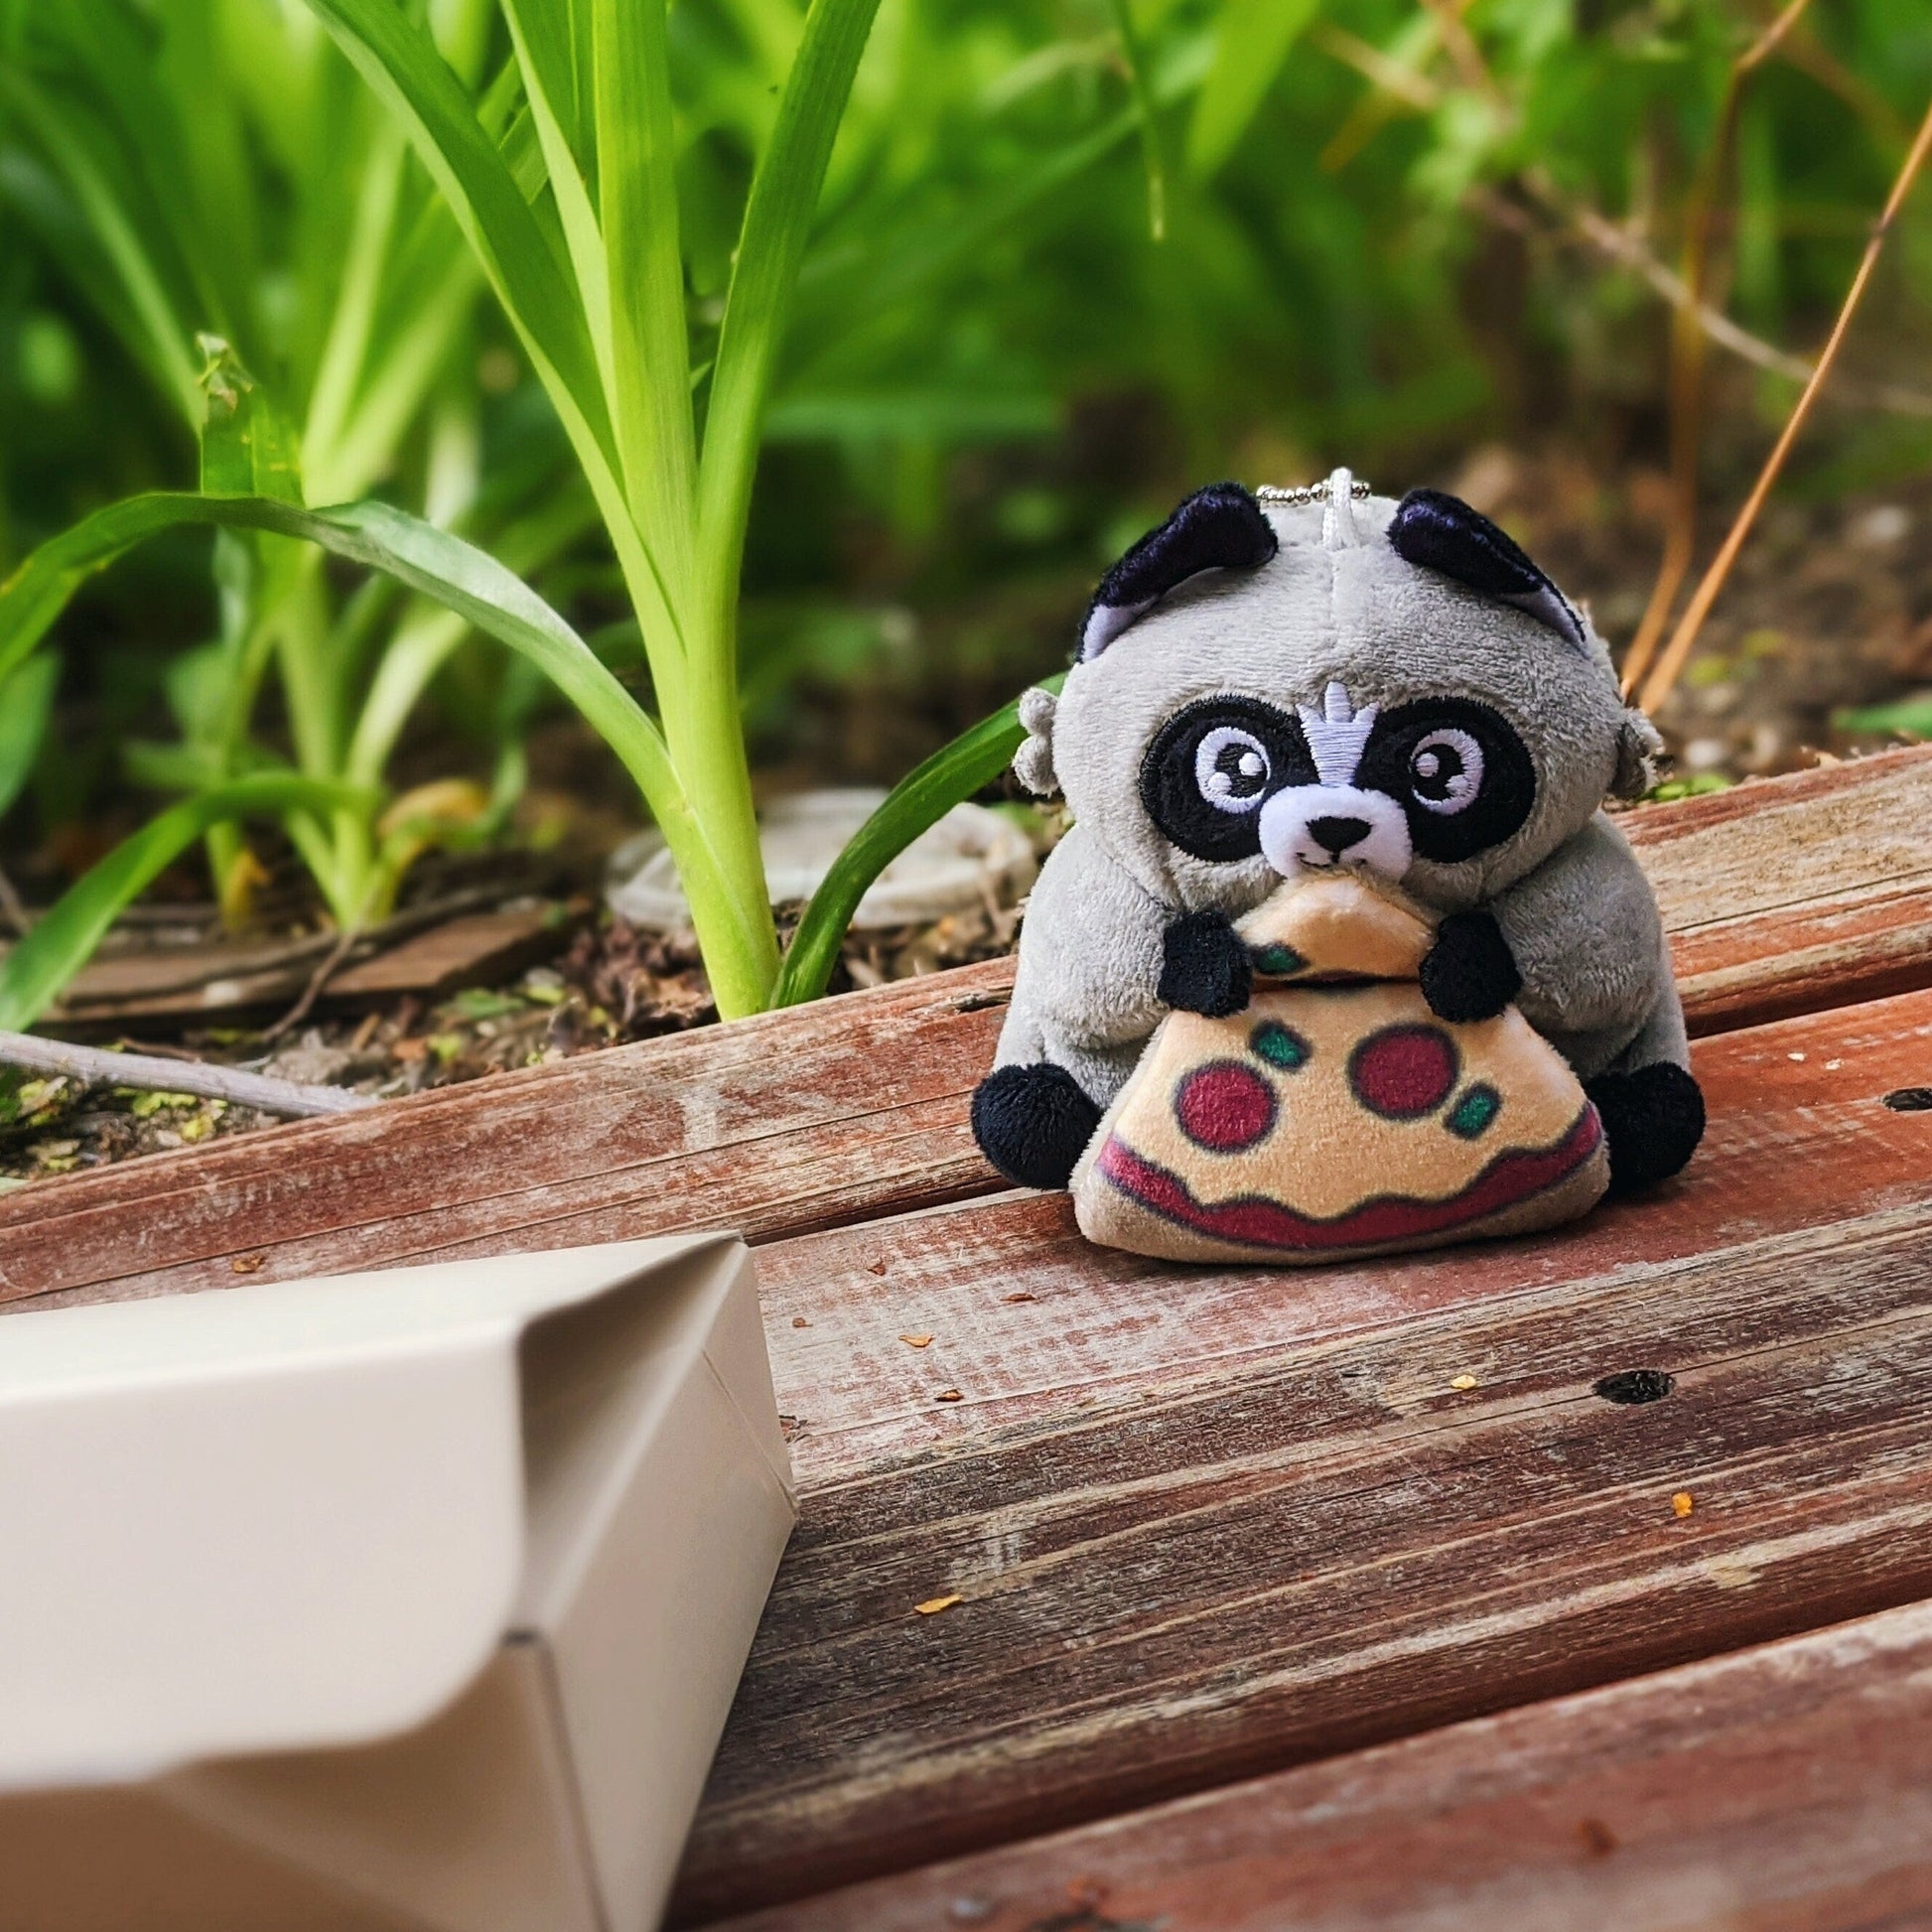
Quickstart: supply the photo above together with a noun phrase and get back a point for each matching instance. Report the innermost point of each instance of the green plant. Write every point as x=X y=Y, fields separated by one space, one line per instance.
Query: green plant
x=174 y=222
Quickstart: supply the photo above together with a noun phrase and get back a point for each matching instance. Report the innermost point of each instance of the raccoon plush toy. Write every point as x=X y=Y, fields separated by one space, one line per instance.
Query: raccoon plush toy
x=1333 y=680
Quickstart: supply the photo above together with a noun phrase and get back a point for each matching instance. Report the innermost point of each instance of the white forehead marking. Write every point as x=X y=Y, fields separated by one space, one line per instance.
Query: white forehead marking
x=1337 y=732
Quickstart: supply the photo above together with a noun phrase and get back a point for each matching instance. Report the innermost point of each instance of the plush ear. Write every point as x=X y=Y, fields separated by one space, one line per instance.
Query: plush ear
x=1220 y=527
x=1033 y=764
x=1638 y=742
x=1442 y=532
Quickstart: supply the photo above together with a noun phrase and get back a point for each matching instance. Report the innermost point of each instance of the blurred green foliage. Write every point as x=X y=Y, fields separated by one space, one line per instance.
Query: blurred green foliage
x=1381 y=240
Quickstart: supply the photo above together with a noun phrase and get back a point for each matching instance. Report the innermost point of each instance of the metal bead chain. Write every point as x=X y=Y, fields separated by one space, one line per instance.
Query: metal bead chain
x=1308 y=492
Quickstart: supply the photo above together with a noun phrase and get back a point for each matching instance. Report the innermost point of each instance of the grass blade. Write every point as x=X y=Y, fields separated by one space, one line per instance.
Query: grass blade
x=247 y=446
x=398 y=59
x=62 y=942
x=771 y=245
x=1252 y=40
x=393 y=54
x=1152 y=159
x=651 y=349
x=543 y=35
x=918 y=801
x=119 y=232
x=26 y=703
x=440 y=566
x=449 y=572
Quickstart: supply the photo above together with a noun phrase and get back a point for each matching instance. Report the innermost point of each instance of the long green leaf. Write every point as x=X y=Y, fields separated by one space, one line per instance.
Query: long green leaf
x=1152 y=158
x=26 y=703
x=62 y=942
x=771 y=245
x=442 y=567
x=394 y=55
x=543 y=35
x=917 y=802
x=398 y=59
x=247 y=446
x=636 y=157
x=119 y=232
x=1252 y=40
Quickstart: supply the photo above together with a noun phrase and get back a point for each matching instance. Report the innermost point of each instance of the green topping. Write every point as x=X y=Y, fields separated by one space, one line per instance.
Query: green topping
x=1472 y=1114
x=1280 y=1046
x=1278 y=961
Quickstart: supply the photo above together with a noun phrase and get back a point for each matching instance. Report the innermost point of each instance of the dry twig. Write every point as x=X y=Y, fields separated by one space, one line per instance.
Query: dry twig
x=1687 y=344
x=96 y=1066
x=1657 y=687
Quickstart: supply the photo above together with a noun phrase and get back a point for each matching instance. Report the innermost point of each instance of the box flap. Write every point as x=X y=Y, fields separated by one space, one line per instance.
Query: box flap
x=265 y=1519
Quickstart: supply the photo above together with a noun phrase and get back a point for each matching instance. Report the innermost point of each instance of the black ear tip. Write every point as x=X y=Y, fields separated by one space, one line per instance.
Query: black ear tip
x=1220 y=527
x=1238 y=510
x=1440 y=532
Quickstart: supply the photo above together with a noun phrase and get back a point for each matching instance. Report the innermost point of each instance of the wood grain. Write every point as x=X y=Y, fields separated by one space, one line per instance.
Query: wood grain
x=1795 y=893
x=1208 y=1522
x=1786 y=1787
x=830 y=1114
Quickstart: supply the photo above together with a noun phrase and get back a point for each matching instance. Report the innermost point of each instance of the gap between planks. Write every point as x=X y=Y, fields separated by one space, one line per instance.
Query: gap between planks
x=854 y=1108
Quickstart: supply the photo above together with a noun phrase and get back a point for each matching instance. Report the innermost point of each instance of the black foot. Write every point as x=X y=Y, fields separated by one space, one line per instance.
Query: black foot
x=1469 y=973
x=1205 y=966
x=1033 y=1123
x=1653 y=1119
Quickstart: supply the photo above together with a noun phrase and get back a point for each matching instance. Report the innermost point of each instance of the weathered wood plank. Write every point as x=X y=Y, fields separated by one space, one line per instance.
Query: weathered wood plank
x=1799 y=1137
x=1799 y=892
x=1208 y=1522
x=836 y=1112
x=1787 y=1788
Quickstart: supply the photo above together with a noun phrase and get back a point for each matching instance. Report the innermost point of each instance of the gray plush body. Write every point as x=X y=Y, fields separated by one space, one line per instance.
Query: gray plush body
x=1336 y=608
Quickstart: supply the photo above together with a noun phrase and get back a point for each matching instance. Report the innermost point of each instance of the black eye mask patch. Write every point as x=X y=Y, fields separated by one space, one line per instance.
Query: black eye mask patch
x=1211 y=768
x=1220 y=527
x=1458 y=769
x=1463 y=776
x=1443 y=534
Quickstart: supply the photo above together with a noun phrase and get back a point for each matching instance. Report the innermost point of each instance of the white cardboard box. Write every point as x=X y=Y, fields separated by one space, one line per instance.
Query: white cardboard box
x=404 y=1600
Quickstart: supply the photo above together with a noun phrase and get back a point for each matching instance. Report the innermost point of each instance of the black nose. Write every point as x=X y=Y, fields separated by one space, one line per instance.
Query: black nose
x=1338 y=834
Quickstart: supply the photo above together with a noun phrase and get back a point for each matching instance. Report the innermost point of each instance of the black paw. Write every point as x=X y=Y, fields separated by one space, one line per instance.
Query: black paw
x=1205 y=966
x=1033 y=1123
x=1653 y=1119
x=1468 y=973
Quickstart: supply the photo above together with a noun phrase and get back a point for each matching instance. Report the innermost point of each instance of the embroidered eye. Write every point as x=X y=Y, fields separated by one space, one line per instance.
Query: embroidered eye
x=1446 y=770
x=1232 y=768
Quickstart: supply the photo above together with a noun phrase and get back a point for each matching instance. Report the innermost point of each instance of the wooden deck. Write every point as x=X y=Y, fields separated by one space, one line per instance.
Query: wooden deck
x=1344 y=1597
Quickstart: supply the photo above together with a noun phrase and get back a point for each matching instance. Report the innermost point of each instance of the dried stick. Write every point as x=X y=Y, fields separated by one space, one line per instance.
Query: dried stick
x=1657 y=687
x=96 y=1066
x=1687 y=344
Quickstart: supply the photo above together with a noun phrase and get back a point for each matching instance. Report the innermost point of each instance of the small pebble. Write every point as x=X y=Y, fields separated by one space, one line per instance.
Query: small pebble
x=1795 y=1056
x=1462 y=1382
x=1832 y=1067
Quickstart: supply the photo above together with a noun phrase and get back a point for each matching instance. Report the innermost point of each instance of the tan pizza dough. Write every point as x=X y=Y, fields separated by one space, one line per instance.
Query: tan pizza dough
x=1337 y=1116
